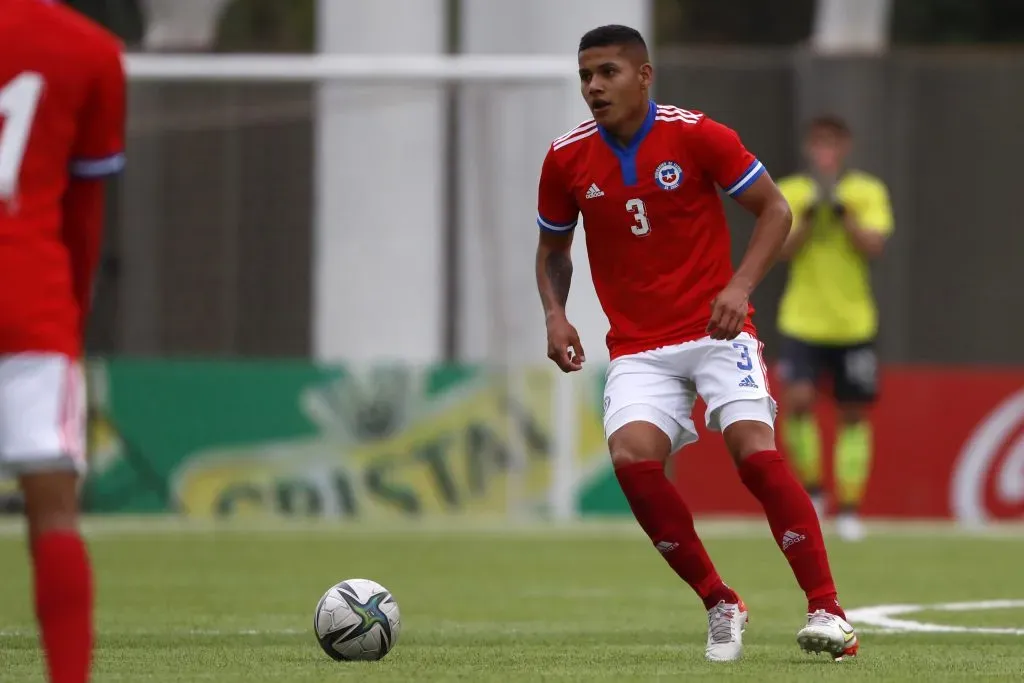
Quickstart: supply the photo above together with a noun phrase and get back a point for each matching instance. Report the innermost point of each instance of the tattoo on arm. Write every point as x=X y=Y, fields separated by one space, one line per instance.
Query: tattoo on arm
x=558 y=267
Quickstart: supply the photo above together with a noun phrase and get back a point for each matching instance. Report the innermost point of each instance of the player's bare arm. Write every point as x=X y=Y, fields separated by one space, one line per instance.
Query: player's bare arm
x=866 y=241
x=772 y=227
x=774 y=220
x=554 y=272
x=554 y=276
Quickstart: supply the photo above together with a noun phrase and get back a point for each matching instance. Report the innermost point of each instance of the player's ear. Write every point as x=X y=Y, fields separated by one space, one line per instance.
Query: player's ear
x=646 y=74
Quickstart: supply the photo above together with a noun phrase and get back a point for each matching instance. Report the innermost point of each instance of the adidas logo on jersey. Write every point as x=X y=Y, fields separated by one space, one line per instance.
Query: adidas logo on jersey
x=594 y=192
x=748 y=383
x=791 y=537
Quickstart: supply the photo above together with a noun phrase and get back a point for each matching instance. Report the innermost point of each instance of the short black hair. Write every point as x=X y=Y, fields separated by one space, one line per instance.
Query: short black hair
x=612 y=35
x=832 y=123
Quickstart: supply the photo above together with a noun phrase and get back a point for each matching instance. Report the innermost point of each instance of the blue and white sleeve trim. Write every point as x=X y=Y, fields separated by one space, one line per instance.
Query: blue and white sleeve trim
x=556 y=227
x=752 y=173
x=98 y=168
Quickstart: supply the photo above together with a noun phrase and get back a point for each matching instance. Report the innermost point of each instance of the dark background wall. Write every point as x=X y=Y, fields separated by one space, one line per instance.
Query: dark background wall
x=209 y=247
x=212 y=231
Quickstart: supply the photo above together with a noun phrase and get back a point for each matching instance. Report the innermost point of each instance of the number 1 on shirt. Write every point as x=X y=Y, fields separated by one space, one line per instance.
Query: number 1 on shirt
x=642 y=225
x=18 y=101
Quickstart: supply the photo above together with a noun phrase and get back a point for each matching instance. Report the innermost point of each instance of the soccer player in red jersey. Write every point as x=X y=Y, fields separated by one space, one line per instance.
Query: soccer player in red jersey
x=62 y=119
x=644 y=177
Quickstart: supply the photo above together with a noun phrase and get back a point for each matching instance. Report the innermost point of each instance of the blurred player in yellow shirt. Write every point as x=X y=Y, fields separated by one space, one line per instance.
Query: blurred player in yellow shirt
x=827 y=315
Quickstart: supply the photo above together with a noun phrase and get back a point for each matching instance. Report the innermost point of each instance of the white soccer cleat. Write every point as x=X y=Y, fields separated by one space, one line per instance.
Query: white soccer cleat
x=849 y=527
x=726 y=623
x=826 y=632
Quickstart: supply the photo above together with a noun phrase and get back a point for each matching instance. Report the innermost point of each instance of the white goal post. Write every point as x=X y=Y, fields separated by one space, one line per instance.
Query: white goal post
x=363 y=70
x=353 y=68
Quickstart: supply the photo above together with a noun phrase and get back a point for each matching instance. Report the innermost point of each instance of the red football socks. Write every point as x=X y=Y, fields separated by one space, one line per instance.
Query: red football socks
x=661 y=512
x=64 y=599
x=794 y=524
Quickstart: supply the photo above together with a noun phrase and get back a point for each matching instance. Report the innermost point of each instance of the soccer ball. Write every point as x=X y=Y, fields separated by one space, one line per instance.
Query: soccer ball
x=357 y=619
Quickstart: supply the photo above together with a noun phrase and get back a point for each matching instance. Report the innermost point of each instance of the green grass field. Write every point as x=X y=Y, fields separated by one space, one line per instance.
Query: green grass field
x=585 y=603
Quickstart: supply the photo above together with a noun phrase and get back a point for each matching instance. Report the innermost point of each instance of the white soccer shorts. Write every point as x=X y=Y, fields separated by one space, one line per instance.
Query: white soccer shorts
x=660 y=386
x=42 y=413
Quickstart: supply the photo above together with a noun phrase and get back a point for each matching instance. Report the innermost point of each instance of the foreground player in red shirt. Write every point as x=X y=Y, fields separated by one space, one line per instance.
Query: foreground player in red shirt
x=644 y=177
x=62 y=113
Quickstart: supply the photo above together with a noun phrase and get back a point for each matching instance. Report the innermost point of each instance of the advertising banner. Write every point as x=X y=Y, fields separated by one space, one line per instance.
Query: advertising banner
x=229 y=439
x=949 y=443
x=244 y=438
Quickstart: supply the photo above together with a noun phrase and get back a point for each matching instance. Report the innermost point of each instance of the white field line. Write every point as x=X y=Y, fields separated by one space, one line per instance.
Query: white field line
x=883 y=618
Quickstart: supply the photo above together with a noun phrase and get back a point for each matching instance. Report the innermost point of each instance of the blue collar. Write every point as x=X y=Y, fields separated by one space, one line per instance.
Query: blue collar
x=627 y=153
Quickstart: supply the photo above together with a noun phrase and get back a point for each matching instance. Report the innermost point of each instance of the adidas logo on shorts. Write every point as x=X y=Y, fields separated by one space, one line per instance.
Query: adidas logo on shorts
x=748 y=383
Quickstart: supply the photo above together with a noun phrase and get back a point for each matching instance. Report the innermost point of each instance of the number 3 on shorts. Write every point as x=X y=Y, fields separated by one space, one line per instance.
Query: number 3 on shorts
x=745 y=363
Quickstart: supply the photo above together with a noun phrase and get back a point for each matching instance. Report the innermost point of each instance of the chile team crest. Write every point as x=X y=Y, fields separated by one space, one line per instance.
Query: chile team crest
x=669 y=175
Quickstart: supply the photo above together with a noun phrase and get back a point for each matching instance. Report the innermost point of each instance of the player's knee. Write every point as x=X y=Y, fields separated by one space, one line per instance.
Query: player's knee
x=638 y=442
x=746 y=437
x=51 y=501
x=624 y=455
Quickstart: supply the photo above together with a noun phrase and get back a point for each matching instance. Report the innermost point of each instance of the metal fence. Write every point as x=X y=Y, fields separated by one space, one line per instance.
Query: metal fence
x=209 y=249
x=210 y=236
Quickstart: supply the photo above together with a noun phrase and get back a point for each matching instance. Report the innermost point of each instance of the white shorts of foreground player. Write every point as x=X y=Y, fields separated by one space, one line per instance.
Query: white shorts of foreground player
x=660 y=386
x=42 y=413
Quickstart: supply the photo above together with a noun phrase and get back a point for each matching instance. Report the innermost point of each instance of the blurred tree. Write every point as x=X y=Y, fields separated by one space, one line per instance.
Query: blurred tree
x=123 y=17
x=268 y=26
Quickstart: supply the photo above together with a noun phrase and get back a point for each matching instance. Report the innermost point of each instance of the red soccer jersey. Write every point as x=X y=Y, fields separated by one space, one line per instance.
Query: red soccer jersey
x=62 y=116
x=655 y=226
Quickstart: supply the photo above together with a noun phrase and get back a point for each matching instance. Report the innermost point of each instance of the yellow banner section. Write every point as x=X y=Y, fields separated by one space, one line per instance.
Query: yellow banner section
x=471 y=451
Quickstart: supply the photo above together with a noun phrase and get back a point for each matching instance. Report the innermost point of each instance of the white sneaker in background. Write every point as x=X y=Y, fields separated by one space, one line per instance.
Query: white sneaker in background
x=849 y=527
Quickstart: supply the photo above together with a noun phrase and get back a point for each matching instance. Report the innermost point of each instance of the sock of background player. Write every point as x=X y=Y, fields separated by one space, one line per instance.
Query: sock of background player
x=803 y=441
x=661 y=512
x=794 y=525
x=853 y=462
x=64 y=601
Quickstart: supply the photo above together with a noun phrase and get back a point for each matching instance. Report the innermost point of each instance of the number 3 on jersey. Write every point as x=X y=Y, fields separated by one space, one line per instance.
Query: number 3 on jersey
x=641 y=225
x=18 y=101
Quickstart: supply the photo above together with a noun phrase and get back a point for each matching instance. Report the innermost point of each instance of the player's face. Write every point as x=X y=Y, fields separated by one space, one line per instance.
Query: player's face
x=614 y=86
x=827 y=151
